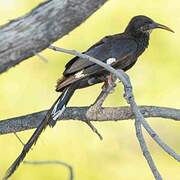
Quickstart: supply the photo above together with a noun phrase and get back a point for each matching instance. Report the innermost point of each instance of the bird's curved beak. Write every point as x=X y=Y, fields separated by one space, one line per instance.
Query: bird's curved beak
x=157 y=25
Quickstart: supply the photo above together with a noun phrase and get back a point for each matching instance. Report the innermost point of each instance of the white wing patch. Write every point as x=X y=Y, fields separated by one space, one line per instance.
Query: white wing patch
x=79 y=75
x=110 y=60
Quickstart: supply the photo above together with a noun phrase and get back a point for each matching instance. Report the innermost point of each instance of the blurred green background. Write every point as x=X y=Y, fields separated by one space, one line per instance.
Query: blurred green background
x=29 y=87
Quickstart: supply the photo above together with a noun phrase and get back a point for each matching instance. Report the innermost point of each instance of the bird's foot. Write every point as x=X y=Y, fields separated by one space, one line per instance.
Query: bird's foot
x=109 y=85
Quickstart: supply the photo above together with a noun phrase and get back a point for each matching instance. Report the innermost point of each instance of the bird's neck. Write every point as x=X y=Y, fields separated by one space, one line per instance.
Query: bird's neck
x=142 y=40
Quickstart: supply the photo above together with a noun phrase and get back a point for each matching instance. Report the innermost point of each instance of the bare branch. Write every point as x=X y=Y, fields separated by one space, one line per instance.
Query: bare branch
x=44 y=162
x=96 y=108
x=41 y=57
x=31 y=121
x=124 y=78
x=94 y=129
x=19 y=139
x=106 y=90
x=30 y=34
x=35 y=31
x=158 y=140
x=128 y=95
x=138 y=115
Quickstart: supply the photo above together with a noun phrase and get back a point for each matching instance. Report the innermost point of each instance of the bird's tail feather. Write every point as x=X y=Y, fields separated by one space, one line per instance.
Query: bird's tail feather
x=26 y=148
x=60 y=105
x=51 y=117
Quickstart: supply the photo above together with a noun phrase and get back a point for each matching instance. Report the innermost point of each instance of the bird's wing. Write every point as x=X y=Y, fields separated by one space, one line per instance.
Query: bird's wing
x=122 y=46
x=115 y=46
x=77 y=64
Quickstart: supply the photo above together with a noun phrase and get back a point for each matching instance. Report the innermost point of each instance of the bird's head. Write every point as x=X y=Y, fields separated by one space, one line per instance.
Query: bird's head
x=144 y=25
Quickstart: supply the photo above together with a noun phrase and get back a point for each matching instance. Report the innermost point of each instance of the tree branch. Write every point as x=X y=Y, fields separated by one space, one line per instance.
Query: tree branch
x=138 y=115
x=139 y=118
x=96 y=108
x=31 y=121
x=56 y=162
x=30 y=34
x=35 y=31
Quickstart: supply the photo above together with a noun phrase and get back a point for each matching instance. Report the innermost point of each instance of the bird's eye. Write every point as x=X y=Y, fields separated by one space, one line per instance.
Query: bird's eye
x=144 y=27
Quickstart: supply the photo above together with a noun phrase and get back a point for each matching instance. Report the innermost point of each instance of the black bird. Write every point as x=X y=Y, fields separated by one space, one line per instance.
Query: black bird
x=121 y=51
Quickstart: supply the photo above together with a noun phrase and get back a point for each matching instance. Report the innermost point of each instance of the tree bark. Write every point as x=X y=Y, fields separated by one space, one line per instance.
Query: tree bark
x=23 y=37
x=31 y=121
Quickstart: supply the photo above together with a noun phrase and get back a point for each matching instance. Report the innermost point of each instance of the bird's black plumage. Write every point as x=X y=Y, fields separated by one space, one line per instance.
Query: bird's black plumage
x=120 y=51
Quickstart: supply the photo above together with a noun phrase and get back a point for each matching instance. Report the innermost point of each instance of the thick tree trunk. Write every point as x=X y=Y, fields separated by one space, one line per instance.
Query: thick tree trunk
x=51 y=20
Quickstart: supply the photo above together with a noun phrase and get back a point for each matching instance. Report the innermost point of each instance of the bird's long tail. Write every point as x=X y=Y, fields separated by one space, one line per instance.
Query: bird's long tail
x=60 y=105
x=51 y=117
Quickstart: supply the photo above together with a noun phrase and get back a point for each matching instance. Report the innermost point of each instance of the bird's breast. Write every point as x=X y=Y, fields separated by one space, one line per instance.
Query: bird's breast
x=142 y=44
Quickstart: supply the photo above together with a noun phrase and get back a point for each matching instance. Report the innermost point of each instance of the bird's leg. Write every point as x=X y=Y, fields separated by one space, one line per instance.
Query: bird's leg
x=96 y=108
x=107 y=88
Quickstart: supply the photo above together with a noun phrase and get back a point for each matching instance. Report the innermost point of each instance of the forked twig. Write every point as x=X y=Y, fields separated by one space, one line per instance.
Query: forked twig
x=96 y=108
x=19 y=138
x=124 y=78
x=138 y=115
